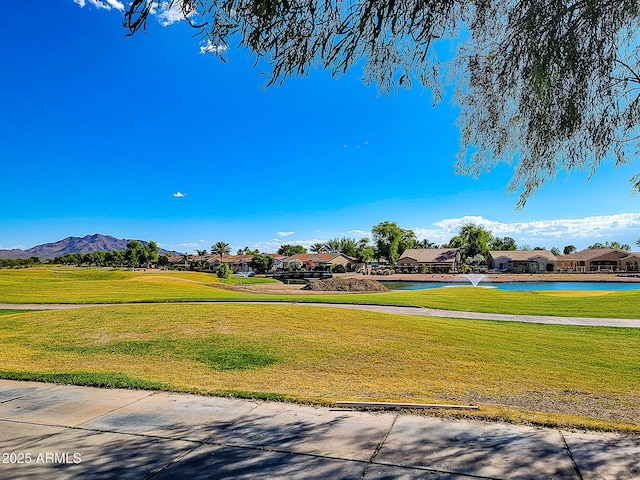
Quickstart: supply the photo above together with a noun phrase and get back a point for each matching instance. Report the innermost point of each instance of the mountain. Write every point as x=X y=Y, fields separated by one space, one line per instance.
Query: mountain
x=87 y=244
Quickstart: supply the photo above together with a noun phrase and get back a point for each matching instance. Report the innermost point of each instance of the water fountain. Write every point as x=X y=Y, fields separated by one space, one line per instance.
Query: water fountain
x=474 y=278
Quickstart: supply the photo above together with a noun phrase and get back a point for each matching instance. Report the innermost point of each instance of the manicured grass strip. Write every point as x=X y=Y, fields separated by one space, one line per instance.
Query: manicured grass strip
x=104 y=380
x=545 y=374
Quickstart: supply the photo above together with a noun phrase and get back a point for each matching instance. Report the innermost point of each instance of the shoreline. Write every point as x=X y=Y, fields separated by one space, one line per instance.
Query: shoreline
x=505 y=277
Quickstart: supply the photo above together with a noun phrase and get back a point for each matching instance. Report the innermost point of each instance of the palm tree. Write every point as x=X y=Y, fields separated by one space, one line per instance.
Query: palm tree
x=426 y=244
x=317 y=247
x=332 y=245
x=220 y=248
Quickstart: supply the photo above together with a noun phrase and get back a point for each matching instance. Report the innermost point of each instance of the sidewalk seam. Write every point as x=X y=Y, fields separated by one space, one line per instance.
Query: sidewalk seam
x=573 y=461
x=379 y=447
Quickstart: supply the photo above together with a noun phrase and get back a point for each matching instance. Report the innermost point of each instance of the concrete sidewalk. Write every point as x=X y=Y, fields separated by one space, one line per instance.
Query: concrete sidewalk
x=52 y=431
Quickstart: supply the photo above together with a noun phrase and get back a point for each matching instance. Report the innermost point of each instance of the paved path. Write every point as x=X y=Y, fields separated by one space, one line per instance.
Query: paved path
x=427 y=312
x=68 y=432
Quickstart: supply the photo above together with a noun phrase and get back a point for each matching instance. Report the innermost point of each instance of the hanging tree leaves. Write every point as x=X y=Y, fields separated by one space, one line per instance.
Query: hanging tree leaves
x=549 y=85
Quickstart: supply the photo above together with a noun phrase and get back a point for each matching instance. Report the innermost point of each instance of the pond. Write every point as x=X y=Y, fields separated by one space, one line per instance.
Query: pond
x=518 y=285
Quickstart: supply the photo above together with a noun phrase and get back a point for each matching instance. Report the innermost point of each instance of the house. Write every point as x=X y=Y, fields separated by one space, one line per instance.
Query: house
x=237 y=263
x=431 y=260
x=600 y=259
x=522 y=261
x=322 y=261
x=209 y=263
x=180 y=262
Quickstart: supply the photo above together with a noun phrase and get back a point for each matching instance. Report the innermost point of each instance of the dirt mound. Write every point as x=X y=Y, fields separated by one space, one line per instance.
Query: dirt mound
x=346 y=285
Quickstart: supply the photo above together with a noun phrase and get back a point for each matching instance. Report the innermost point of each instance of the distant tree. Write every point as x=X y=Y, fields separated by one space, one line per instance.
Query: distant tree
x=21 y=262
x=223 y=270
x=364 y=251
x=317 y=247
x=151 y=251
x=539 y=248
x=135 y=253
x=220 y=248
x=619 y=246
x=454 y=242
x=261 y=263
x=504 y=243
x=388 y=237
x=407 y=241
x=115 y=258
x=348 y=246
x=201 y=253
x=425 y=243
x=555 y=251
x=614 y=244
x=332 y=245
x=289 y=250
x=569 y=249
x=344 y=245
x=163 y=261
x=472 y=240
x=247 y=251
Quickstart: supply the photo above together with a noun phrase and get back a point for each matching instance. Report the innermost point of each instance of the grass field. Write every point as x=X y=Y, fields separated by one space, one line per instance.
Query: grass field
x=542 y=374
x=79 y=285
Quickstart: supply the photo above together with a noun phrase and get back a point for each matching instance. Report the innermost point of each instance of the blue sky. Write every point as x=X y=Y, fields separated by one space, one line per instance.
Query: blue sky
x=144 y=137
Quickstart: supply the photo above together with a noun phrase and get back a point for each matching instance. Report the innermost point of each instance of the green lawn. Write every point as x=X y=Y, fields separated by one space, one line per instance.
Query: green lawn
x=85 y=285
x=90 y=285
x=544 y=374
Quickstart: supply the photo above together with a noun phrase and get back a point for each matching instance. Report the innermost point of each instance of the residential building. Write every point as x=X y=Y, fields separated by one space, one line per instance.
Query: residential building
x=321 y=261
x=522 y=261
x=180 y=262
x=429 y=260
x=600 y=259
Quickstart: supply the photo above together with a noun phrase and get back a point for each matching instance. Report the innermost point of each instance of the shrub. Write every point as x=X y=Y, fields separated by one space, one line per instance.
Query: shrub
x=223 y=271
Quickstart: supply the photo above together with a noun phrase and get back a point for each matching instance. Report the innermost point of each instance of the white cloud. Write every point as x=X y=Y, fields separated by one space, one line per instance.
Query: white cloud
x=102 y=4
x=285 y=234
x=189 y=244
x=563 y=230
x=179 y=195
x=362 y=233
x=170 y=14
x=212 y=48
